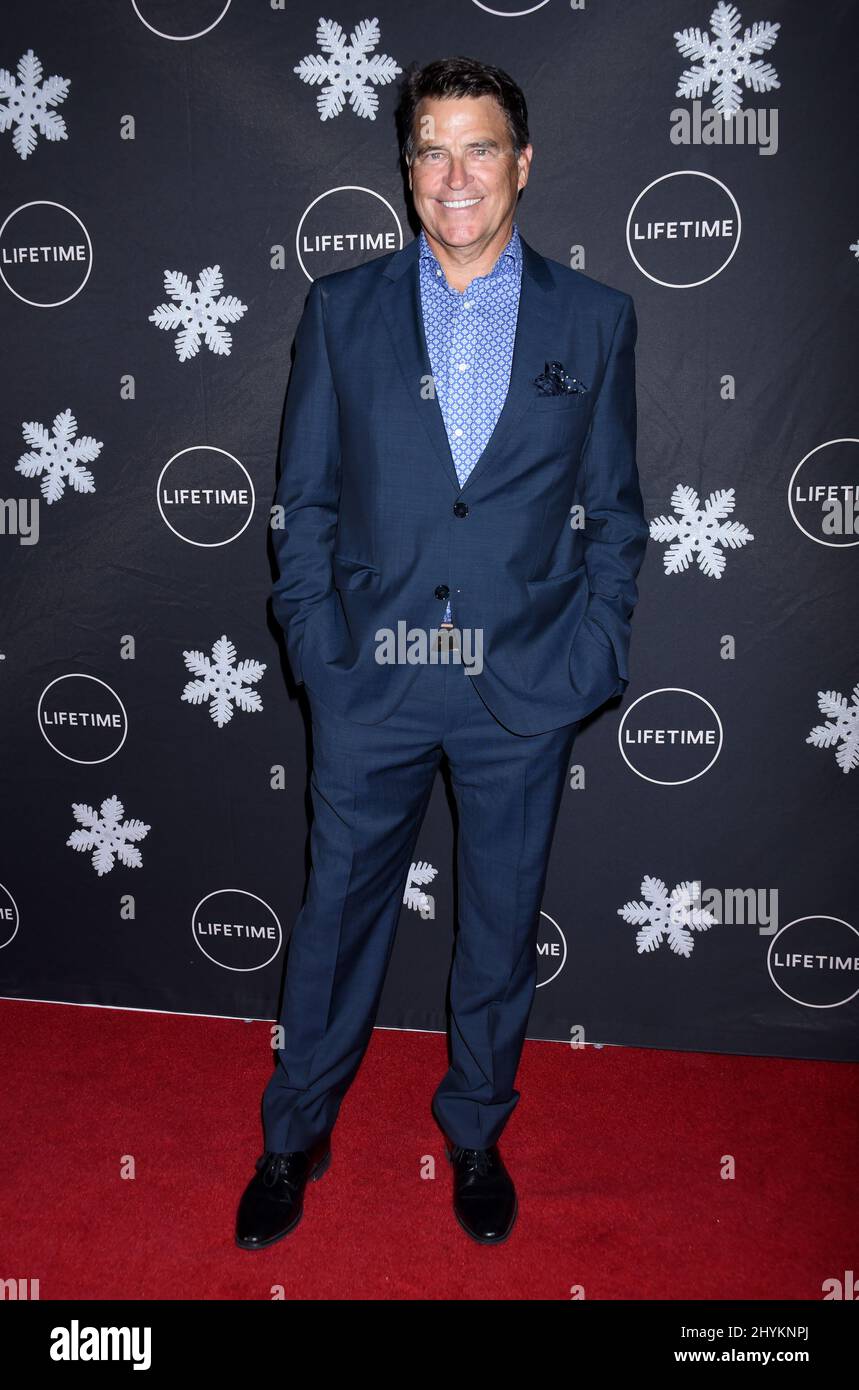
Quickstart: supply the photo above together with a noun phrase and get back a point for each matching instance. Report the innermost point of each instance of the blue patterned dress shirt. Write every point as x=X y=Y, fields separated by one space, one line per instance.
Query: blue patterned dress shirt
x=470 y=340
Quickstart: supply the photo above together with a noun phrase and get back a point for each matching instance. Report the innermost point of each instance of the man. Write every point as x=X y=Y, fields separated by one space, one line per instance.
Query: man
x=458 y=456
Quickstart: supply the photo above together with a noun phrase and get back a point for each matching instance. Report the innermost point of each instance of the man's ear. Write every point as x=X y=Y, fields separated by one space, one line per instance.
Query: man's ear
x=524 y=162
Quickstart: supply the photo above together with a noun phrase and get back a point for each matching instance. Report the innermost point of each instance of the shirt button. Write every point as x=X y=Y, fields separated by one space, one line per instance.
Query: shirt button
x=462 y=366
x=457 y=433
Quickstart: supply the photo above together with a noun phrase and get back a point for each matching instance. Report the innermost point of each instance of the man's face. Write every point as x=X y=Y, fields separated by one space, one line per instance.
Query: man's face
x=464 y=176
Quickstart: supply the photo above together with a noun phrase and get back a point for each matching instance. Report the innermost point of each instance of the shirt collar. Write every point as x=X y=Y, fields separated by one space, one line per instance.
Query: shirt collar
x=510 y=259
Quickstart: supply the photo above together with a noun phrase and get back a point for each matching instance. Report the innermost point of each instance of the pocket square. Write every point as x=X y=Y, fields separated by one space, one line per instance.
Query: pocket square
x=555 y=380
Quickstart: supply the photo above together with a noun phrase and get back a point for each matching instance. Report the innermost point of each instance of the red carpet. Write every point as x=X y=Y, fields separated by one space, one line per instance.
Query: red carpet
x=616 y=1155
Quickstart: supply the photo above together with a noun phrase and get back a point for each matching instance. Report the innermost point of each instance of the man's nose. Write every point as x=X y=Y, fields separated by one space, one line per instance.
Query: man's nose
x=457 y=174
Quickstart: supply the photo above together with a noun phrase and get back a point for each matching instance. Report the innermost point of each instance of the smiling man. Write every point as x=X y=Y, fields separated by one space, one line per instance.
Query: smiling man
x=458 y=453
x=464 y=181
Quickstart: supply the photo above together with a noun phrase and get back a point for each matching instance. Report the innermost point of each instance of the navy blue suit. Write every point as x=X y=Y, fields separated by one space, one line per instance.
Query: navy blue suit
x=372 y=538
x=368 y=490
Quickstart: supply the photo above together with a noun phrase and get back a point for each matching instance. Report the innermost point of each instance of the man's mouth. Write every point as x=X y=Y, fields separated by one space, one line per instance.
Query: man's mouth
x=455 y=203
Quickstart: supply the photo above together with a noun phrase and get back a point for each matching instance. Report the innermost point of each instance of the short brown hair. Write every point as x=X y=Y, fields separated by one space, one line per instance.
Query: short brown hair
x=460 y=77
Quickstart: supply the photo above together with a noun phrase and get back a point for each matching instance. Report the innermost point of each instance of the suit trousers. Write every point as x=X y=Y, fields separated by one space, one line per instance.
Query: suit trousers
x=370 y=786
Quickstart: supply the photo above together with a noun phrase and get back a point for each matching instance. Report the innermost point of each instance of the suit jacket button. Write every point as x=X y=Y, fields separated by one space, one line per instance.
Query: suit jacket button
x=442 y=591
x=460 y=509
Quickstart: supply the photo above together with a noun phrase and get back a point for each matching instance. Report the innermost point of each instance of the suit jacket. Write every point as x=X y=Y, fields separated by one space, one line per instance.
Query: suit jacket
x=370 y=534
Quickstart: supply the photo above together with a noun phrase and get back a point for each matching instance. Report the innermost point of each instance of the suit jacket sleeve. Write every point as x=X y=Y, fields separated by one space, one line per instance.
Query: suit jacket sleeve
x=309 y=486
x=615 y=525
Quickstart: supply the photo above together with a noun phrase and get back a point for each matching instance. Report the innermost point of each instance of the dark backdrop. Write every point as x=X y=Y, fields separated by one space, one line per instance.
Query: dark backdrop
x=168 y=186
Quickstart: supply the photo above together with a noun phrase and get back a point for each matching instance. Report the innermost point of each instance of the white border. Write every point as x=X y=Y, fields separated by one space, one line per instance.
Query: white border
x=812 y=917
x=342 y=188
x=671 y=690
x=239 y=969
x=833 y=545
x=179 y=38
x=84 y=675
x=47 y=202
x=691 y=284
x=212 y=449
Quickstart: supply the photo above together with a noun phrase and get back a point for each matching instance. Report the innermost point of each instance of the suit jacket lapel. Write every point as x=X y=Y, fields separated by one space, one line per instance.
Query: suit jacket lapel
x=401 y=307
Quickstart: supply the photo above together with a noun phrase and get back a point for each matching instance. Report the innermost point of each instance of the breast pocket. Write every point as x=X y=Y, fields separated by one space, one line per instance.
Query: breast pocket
x=551 y=405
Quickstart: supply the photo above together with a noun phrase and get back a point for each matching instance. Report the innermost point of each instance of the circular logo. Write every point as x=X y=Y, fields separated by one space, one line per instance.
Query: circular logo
x=815 y=961
x=9 y=919
x=823 y=493
x=212 y=11
x=205 y=496
x=514 y=11
x=45 y=254
x=683 y=229
x=551 y=950
x=345 y=227
x=82 y=718
x=236 y=930
x=670 y=736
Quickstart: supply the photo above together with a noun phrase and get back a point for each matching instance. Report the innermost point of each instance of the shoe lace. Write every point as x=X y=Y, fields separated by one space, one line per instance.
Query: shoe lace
x=275 y=1168
x=475 y=1160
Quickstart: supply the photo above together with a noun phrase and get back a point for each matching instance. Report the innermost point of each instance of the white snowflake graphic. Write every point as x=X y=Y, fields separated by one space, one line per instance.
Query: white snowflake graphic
x=854 y=247
x=845 y=727
x=726 y=60
x=414 y=897
x=222 y=682
x=58 y=457
x=667 y=917
x=108 y=835
x=347 y=68
x=198 y=313
x=699 y=531
x=24 y=104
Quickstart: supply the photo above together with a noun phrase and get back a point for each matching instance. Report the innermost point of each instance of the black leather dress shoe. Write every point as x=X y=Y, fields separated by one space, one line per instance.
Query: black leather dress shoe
x=272 y=1204
x=484 y=1198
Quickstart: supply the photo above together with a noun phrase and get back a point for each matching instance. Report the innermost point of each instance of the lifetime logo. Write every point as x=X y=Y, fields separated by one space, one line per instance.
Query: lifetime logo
x=76 y=1343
